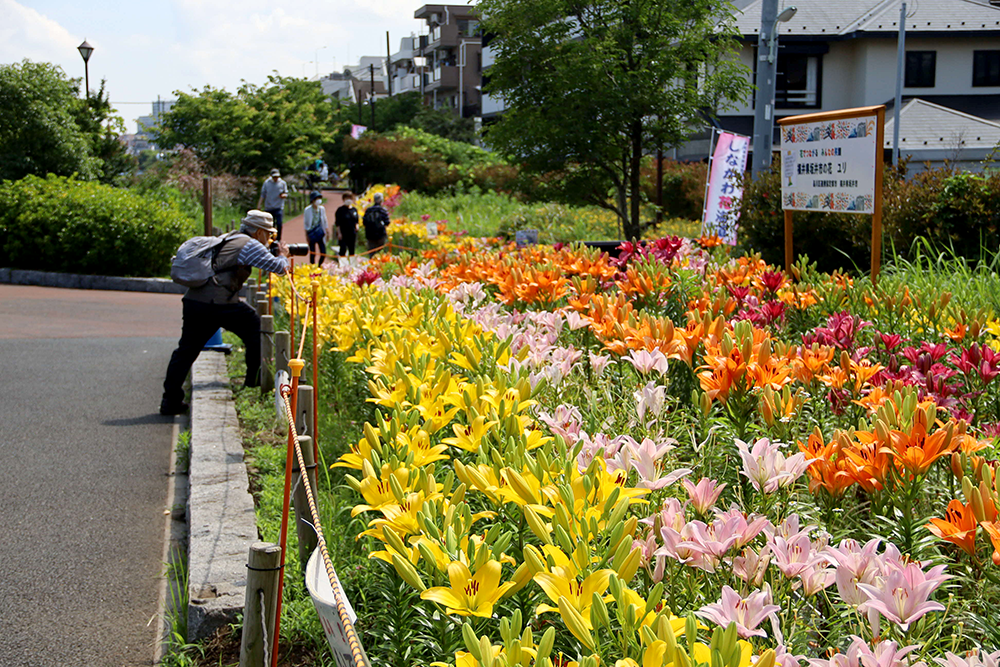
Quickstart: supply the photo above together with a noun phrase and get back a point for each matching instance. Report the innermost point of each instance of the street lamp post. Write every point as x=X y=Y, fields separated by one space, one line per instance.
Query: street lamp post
x=85 y=50
x=317 y=60
x=767 y=56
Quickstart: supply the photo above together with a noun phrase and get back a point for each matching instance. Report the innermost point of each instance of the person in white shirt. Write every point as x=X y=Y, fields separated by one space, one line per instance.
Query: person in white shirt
x=316 y=226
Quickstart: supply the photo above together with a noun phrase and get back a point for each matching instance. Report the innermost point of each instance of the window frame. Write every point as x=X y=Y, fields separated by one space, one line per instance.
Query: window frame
x=981 y=68
x=917 y=77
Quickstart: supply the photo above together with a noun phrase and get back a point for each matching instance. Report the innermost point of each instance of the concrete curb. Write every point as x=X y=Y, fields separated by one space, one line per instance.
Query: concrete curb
x=221 y=520
x=80 y=281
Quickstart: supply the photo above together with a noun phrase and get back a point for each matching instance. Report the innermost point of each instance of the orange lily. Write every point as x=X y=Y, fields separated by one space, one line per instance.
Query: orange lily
x=958 y=526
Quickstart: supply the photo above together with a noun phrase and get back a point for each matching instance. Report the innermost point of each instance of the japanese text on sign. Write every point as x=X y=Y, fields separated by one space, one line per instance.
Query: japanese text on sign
x=829 y=166
x=721 y=215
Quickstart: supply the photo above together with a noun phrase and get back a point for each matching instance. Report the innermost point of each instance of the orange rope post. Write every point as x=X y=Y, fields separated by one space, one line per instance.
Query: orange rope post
x=315 y=365
x=291 y=316
x=295 y=366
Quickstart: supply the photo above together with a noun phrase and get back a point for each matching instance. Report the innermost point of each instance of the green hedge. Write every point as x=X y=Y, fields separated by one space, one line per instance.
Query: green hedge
x=61 y=224
x=947 y=209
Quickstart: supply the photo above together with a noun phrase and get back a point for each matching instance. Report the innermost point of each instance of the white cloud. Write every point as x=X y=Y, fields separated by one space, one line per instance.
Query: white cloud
x=25 y=33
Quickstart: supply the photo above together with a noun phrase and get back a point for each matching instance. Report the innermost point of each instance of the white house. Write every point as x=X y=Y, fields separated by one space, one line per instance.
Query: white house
x=836 y=54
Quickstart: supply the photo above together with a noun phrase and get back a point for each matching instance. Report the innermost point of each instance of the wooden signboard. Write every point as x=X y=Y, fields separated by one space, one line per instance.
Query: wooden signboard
x=831 y=162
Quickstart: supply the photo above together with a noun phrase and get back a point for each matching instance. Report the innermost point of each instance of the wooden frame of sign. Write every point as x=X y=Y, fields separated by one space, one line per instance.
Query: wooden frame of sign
x=844 y=114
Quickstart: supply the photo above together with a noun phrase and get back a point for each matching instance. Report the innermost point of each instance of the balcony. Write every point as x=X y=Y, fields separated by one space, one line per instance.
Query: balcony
x=442 y=78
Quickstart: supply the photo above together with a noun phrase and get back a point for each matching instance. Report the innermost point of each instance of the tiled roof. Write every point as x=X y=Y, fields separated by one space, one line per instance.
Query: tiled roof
x=843 y=17
x=924 y=125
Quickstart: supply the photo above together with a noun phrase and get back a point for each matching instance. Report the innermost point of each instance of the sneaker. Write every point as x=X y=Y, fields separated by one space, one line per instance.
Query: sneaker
x=171 y=409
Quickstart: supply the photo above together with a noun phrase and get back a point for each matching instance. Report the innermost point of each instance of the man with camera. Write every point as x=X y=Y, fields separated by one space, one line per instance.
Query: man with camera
x=216 y=304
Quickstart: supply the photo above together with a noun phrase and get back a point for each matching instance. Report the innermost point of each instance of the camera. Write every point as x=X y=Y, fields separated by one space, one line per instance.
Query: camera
x=294 y=249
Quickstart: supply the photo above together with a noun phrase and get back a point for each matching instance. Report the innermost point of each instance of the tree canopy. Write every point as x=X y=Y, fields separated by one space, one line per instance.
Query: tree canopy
x=45 y=128
x=39 y=132
x=590 y=87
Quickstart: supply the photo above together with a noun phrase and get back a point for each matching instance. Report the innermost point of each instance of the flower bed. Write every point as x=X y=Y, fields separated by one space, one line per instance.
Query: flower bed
x=674 y=457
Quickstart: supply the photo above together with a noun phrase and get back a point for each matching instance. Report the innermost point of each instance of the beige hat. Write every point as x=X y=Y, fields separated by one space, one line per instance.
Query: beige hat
x=259 y=220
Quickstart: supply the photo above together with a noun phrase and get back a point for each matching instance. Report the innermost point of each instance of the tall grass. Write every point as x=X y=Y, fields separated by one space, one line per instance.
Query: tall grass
x=972 y=285
x=492 y=214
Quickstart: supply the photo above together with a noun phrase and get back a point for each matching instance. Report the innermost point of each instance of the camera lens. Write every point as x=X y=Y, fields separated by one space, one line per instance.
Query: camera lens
x=298 y=249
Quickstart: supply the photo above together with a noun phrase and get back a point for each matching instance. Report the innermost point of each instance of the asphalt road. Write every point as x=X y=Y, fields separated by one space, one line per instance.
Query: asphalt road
x=84 y=457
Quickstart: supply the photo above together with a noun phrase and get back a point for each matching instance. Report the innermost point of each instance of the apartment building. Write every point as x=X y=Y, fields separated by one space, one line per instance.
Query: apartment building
x=452 y=53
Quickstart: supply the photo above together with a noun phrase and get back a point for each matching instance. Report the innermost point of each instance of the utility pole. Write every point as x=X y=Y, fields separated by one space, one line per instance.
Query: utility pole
x=900 y=60
x=763 y=117
x=388 y=64
x=371 y=100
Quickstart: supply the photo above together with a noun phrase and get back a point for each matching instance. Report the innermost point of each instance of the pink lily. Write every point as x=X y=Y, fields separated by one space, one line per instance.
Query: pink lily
x=704 y=494
x=646 y=456
x=902 y=595
x=598 y=362
x=566 y=422
x=859 y=654
x=767 y=468
x=751 y=566
x=855 y=564
x=645 y=361
x=794 y=556
x=745 y=527
x=575 y=320
x=816 y=578
x=747 y=612
x=974 y=659
x=650 y=399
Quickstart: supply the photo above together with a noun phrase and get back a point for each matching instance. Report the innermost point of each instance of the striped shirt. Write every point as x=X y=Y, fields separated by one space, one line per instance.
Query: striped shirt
x=256 y=255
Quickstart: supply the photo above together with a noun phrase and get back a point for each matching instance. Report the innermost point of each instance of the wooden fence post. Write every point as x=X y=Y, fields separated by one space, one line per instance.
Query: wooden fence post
x=260 y=605
x=206 y=203
x=303 y=518
x=282 y=351
x=267 y=354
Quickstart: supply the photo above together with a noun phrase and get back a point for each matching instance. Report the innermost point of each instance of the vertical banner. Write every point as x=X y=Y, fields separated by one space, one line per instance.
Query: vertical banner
x=729 y=161
x=357 y=131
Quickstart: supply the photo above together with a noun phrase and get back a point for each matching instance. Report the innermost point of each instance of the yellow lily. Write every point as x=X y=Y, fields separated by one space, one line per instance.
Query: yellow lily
x=562 y=582
x=378 y=493
x=469 y=437
x=417 y=441
x=470 y=594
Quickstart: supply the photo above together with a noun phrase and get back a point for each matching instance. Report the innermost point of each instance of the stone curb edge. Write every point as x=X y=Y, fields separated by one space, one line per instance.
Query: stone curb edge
x=221 y=513
x=81 y=281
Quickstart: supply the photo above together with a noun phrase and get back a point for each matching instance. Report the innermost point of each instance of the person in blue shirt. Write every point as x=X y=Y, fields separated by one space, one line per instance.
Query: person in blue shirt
x=216 y=305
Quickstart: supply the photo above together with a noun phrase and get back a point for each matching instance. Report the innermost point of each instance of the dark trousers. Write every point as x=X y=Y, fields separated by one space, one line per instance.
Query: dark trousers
x=279 y=217
x=312 y=247
x=347 y=242
x=201 y=320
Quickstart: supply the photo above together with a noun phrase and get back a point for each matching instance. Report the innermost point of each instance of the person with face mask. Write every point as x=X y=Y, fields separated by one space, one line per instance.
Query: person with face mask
x=346 y=220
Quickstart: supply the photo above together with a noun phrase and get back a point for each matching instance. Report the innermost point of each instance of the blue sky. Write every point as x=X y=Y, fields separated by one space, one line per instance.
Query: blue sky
x=150 y=48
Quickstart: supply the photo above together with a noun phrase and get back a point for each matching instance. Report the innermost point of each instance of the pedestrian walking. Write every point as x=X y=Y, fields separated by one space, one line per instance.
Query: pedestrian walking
x=216 y=304
x=376 y=220
x=272 y=198
x=346 y=220
x=316 y=226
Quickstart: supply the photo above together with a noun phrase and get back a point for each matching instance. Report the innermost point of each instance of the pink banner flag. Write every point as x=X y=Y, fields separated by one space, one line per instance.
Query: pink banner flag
x=722 y=213
x=357 y=131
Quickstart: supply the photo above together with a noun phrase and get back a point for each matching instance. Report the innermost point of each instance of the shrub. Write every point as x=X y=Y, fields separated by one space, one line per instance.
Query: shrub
x=949 y=210
x=683 y=187
x=61 y=224
x=418 y=160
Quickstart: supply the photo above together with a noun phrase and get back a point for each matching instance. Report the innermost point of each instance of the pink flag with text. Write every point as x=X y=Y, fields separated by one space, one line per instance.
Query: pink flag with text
x=721 y=215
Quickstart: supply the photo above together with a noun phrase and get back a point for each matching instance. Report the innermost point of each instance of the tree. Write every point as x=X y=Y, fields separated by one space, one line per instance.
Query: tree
x=39 y=132
x=285 y=123
x=589 y=87
x=102 y=129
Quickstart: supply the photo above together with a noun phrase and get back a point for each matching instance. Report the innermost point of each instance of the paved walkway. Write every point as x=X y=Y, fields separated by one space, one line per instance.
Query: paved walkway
x=294 y=231
x=83 y=464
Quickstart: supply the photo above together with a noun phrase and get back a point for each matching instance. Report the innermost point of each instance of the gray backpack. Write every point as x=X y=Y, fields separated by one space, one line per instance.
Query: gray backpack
x=194 y=263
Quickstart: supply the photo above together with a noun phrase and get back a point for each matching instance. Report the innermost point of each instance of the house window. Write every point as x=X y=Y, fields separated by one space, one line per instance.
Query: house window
x=986 y=68
x=920 y=66
x=797 y=80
